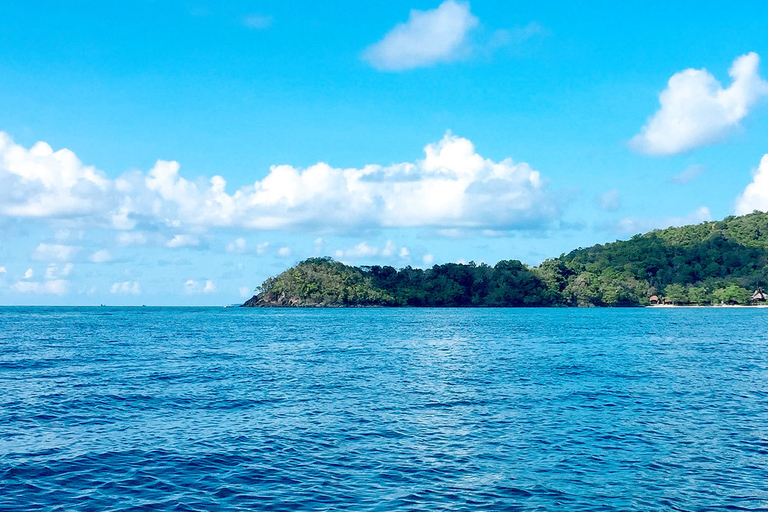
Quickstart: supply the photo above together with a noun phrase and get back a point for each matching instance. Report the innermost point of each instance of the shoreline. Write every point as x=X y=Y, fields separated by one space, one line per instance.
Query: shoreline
x=706 y=306
x=342 y=306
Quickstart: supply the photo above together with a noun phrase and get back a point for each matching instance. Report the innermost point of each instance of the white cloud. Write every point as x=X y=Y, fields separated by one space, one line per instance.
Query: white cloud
x=361 y=250
x=53 y=283
x=102 y=256
x=452 y=187
x=126 y=288
x=192 y=287
x=245 y=292
x=696 y=110
x=126 y=239
x=609 y=201
x=42 y=183
x=365 y=250
x=284 y=252
x=182 y=241
x=3 y=270
x=428 y=260
x=53 y=271
x=389 y=249
x=633 y=225
x=262 y=247
x=238 y=246
x=54 y=252
x=755 y=195
x=258 y=21
x=689 y=174
x=54 y=287
x=428 y=37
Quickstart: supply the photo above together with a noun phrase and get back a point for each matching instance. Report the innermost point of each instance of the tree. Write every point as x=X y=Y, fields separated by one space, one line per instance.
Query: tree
x=732 y=294
x=676 y=294
x=697 y=295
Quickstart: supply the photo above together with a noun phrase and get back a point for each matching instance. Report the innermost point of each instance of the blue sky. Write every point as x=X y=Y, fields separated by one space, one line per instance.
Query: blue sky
x=160 y=152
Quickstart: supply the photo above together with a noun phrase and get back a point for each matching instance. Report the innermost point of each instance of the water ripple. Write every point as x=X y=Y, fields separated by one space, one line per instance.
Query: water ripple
x=212 y=409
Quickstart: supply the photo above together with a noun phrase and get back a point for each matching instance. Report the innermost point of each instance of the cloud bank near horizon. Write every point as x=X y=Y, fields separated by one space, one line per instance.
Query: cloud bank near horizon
x=452 y=187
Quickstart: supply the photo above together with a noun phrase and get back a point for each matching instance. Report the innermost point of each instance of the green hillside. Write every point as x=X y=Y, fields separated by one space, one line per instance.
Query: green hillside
x=750 y=230
x=707 y=263
x=320 y=282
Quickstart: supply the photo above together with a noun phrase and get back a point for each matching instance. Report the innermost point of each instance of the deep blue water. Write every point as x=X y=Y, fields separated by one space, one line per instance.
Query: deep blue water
x=383 y=409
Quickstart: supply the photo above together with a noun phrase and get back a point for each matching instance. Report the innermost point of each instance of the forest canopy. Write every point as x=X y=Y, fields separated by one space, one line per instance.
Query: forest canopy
x=708 y=263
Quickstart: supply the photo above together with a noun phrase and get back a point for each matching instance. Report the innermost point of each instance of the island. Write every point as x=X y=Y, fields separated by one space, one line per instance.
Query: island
x=723 y=262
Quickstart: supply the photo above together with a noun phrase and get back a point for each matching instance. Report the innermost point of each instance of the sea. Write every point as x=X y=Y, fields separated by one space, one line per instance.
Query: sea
x=214 y=409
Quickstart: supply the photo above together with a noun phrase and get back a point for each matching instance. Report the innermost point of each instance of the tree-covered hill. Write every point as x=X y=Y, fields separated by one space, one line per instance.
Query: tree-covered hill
x=712 y=262
x=321 y=282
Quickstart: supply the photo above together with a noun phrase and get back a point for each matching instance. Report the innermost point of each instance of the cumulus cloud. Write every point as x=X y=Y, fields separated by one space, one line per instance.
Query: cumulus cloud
x=3 y=270
x=361 y=250
x=633 y=225
x=182 y=241
x=102 y=256
x=54 y=271
x=428 y=260
x=689 y=174
x=696 y=110
x=428 y=37
x=53 y=282
x=42 y=183
x=609 y=201
x=364 y=250
x=237 y=246
x=53 y=287
x=192 y=287
x=451 y=187
x=50 y=252
x=755 y=196
x=284 y=252
x=126 y=288
x=127 y=238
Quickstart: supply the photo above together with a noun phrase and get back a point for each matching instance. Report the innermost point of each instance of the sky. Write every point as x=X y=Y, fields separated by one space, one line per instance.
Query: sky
x=181 y=152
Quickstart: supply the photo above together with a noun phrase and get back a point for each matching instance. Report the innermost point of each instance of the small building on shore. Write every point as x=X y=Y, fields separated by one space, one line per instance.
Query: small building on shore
x=654 y=300
x=759 y=296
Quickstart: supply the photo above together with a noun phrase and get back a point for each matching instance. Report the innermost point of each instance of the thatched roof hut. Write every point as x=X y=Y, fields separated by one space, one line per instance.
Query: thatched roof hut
x=759 y=296
x=654 y=299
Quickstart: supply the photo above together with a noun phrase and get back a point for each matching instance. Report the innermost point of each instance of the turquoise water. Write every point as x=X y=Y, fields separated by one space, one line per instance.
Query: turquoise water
x=383 y=409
